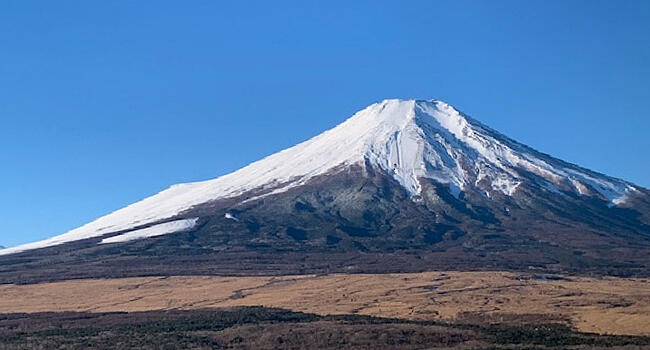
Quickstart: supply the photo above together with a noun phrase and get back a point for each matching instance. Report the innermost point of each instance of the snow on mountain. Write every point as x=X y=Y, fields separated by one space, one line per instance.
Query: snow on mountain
x=230 y=216
x=409 y=139
x=152 y=231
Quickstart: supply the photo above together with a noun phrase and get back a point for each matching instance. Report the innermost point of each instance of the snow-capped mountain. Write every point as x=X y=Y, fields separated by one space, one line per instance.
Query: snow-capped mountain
x=447 y=165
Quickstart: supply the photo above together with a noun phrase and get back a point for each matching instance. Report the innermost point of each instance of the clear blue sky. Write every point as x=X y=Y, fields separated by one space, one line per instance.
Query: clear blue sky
x=103 y=103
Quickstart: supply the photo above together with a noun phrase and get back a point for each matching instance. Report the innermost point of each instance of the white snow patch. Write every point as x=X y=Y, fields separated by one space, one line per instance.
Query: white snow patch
x=152 y=231
x=231 y=217
x=580 y=187
x=624 y=197
x=505 y=185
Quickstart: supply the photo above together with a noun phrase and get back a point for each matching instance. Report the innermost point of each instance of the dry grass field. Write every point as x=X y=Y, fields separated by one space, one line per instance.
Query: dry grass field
x=601 y=305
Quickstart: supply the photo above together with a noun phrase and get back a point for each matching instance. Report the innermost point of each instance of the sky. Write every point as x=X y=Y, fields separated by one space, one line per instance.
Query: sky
x=103 y=103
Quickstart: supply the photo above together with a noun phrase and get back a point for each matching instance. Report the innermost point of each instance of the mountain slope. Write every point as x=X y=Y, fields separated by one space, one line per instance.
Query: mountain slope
x=398 y=176
x=409 y=140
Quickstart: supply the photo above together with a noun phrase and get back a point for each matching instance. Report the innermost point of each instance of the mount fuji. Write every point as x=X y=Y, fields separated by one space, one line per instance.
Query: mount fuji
x=413 y=181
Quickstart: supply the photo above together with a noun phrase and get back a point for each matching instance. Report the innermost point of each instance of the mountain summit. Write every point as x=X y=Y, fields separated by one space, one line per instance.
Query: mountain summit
x=355 y=185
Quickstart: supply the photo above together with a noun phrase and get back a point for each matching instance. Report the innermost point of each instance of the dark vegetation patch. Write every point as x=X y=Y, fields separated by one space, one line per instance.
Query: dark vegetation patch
x=353 y=231
x=513 y=319
x=253 y=227
x=300 y=206
x=331 y=240
x=438 y=233
x=270 y=328
x=359 y=246
x=296 y=233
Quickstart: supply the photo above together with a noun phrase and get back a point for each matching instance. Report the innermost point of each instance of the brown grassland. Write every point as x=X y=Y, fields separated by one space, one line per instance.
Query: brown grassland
x=603 y=305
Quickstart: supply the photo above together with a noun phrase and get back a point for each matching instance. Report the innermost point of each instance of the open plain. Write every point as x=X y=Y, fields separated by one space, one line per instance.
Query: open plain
x=604 y=305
